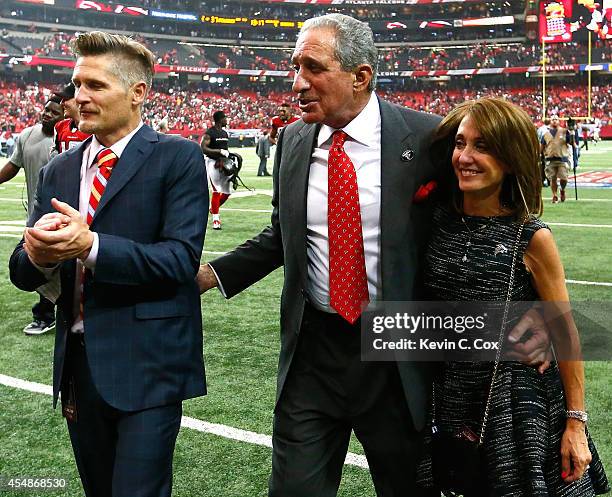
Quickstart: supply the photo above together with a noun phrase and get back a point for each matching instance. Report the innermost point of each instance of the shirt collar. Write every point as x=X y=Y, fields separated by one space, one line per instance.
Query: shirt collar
x=117 y=147
x=360 y=128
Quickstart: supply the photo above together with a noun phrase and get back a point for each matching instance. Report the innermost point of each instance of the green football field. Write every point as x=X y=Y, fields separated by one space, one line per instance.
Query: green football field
x=223 y=448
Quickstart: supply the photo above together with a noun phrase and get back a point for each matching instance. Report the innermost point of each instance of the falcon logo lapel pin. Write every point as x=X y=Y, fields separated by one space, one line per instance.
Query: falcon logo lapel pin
x=500 y=249
x=408 y=155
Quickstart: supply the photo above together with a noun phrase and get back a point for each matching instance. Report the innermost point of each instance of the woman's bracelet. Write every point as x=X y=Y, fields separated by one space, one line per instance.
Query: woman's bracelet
x=579 y=415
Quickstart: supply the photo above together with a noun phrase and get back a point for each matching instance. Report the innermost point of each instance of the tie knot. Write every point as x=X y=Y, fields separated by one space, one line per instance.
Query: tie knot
x=106 y=157
x=339 y=138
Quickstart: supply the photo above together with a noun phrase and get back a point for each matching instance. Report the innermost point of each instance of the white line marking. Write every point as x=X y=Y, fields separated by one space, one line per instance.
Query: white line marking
x=247 y=193
x=30 y=386
x=573 y=282
x=573 y=225
x=5 y=199
x=246 y=210
x=9 y=235
x=585 y=199
x=581 y=225
x=9 y=228
x=595 y=283
x=16 y=223
x=187 y=422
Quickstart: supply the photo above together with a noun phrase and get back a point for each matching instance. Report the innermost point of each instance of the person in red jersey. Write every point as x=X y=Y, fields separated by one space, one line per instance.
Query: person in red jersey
x=67 y=134
x=285 y=117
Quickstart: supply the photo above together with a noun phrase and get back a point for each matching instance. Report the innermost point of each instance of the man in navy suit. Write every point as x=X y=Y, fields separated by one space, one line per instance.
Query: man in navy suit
x=115 y=238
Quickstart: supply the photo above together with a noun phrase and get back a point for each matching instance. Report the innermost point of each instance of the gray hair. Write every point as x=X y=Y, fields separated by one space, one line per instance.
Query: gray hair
x=353 y=43
x=132 y=61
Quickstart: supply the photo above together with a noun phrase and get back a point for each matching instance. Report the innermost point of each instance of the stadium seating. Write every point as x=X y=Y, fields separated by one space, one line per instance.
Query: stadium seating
x=189 y=112
x=485 y=54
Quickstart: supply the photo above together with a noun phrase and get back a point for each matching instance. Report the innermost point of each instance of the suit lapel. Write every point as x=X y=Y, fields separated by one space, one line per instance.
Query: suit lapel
x=132 y=159
x=397 y=185
x=300 y=146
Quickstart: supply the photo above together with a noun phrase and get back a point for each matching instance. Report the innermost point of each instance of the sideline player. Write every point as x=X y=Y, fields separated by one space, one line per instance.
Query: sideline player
x=32 y=152
x=214 y=146
x=67 y=134
x=285 y=117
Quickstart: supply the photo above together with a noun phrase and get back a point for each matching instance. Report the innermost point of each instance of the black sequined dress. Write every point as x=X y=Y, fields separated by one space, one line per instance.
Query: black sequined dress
x=527 y=415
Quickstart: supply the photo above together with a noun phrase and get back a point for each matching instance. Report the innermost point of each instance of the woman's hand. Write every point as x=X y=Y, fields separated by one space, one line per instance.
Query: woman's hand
x=575 y=453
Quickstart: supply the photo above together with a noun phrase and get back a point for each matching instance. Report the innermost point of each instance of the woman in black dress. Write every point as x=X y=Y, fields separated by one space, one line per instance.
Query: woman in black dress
x=535 y=440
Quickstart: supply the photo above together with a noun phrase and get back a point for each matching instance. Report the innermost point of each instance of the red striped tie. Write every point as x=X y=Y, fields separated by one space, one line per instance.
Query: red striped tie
x=348 y=281
x=105 y=161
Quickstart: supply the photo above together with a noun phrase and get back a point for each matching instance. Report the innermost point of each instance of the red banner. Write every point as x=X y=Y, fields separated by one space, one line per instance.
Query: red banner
x=111 y=8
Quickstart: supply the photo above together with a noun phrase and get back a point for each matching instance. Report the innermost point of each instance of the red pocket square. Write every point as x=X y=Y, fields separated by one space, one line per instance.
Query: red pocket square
x=424 y=192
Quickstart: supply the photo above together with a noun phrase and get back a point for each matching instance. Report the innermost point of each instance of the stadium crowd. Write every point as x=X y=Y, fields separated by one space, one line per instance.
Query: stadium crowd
x=191 y=110
x=412 y=16
x=487 y=54
x=479 y=55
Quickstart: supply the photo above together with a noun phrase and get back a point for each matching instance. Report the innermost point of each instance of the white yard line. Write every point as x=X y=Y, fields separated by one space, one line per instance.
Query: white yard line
x=577 y=225
x=252 y=193
x=11 y=228
x=580 y=199
x=20 y=222
x=268 y=211
x=594 y=283
x=187 y=422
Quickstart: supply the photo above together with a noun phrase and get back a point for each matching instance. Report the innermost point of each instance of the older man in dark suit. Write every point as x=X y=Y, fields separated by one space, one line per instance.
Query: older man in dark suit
x=116 y=237
x=351 y=165
x=347 y=231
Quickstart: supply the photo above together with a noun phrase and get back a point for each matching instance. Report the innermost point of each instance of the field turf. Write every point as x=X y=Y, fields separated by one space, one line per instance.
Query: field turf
x=241 y=343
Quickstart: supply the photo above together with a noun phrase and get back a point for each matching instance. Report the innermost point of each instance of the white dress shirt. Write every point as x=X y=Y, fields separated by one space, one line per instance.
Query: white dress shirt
x=51 y=290
x=363 y=148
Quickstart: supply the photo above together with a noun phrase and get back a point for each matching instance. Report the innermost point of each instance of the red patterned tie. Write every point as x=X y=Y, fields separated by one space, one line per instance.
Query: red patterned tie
x=105 y=161
x=348 y=282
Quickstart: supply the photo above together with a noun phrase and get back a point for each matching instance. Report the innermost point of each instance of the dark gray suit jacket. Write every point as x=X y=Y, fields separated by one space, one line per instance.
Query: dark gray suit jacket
x=405 y=228
x=143 y=325
x=263 y=147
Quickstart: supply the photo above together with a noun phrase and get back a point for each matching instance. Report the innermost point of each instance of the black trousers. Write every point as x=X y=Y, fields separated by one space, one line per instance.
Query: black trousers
x=118 y=453
x=43 y=310
x=329 y=391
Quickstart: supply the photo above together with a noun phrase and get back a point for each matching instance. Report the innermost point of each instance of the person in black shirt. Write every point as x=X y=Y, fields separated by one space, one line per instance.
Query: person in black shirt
x=214 y=146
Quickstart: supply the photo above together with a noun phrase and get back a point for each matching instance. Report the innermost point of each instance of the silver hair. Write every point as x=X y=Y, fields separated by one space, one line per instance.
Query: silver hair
x=353 y=43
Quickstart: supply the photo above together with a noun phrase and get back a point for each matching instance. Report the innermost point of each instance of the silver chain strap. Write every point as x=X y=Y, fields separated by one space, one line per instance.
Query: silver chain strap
x=500 y=340
x=502 y=330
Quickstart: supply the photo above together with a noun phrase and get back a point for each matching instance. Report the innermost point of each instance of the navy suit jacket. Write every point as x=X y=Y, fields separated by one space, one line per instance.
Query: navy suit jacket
x=142 y=318
x=405 y=228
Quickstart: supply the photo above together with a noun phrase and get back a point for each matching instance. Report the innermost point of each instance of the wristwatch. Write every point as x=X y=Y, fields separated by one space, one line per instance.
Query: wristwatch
x=579 y=415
